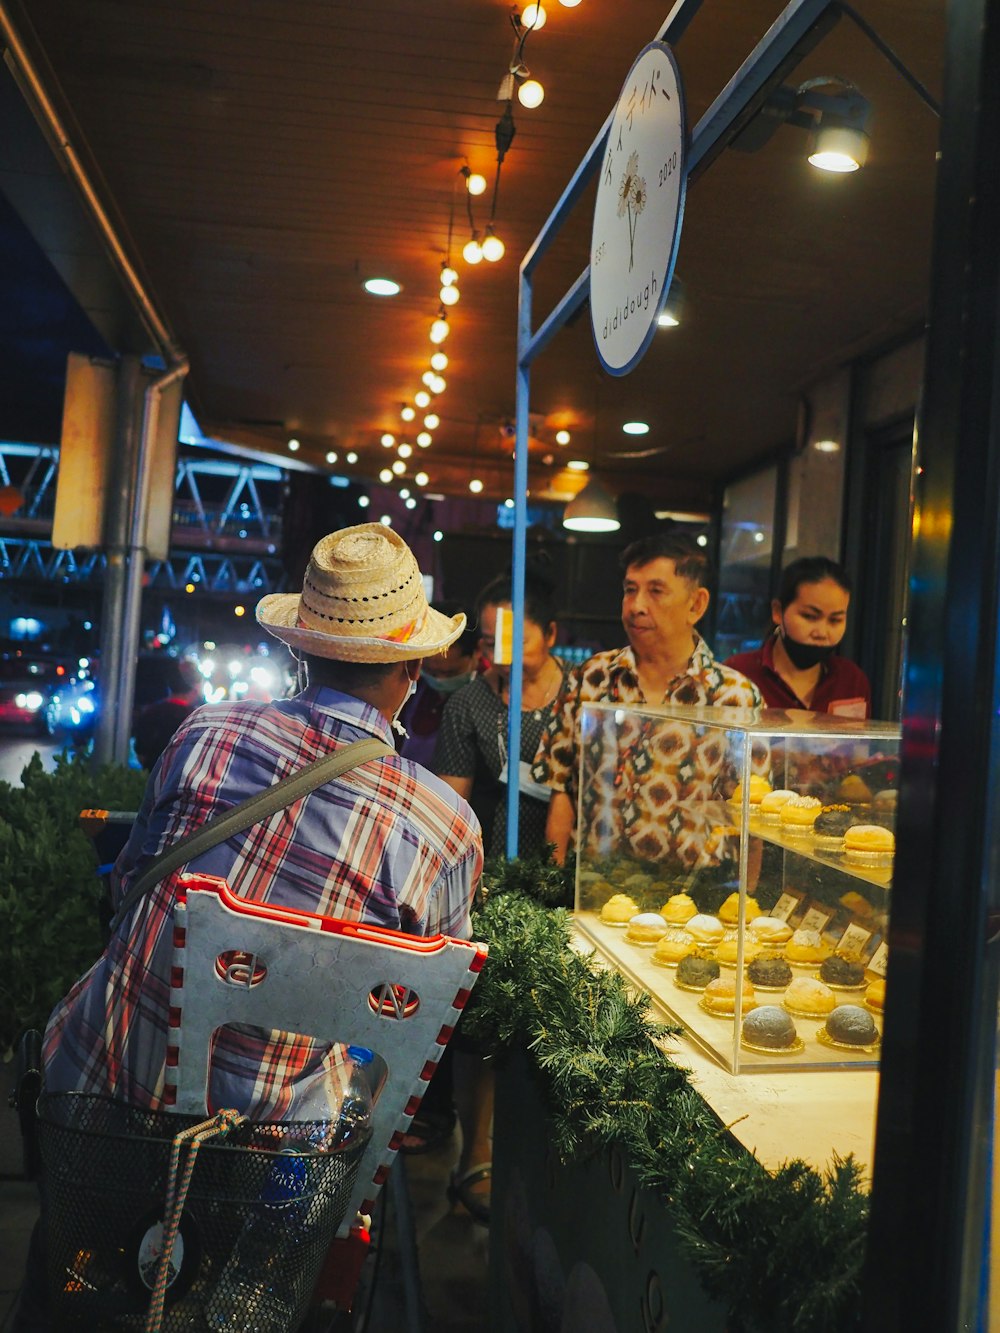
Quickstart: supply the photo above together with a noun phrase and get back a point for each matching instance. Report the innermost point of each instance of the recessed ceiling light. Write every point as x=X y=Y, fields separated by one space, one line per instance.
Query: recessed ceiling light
x=636 y=428
x=578 y=465
x=827 y=447
x=382 y=287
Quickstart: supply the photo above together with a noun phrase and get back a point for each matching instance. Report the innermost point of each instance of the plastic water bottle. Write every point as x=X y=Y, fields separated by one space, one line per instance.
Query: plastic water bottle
x=252 y=1294
x=353 y=1129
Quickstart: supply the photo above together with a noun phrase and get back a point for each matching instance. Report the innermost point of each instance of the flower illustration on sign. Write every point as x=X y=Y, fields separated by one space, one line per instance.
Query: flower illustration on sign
x=632 y=197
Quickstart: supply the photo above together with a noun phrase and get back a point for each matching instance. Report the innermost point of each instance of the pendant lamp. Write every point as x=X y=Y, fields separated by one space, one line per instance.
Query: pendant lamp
x=592 y=510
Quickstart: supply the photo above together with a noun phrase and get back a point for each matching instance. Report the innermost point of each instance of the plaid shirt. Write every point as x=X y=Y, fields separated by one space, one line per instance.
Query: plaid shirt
x=649 y=785
x=386 y=843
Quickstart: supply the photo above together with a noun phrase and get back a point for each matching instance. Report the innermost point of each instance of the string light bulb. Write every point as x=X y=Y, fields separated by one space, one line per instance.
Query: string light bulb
x=448 y=276
x=569 y=4
x=439 y=361
x=399 y=467
x=432 y=421
x=388 y=440
x=424 y=439
x=493 y=247
x=438 y=384
x=474 y=182
x=449 y=295
x=475 y=486
x=439 y=329
x=405 y=450
x=428 y=378
x=385 y=476
x=422 y=399
x=407 y=413
x=562 y=437
x=472 y=251
x=530 y=94
x=421 y=479
x=533 y=17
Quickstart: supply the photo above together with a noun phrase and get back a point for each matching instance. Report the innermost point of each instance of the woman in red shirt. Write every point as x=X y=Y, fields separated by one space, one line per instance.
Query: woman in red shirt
x=798 y=666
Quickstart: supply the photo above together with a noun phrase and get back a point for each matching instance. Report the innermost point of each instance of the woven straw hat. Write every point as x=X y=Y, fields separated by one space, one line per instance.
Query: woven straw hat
x=362 y=600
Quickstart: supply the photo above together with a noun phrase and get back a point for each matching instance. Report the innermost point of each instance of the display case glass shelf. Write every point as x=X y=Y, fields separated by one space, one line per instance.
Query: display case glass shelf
x=737 y=865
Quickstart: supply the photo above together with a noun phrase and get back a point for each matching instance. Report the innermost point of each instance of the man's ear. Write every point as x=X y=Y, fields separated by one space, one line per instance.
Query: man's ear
x=699 y=604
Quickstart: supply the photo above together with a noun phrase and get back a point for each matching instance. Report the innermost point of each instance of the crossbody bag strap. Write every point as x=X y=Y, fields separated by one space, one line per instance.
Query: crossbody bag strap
x=254 y=810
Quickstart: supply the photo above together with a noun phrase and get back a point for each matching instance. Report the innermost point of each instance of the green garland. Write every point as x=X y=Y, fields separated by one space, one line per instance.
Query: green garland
x=782 y=1250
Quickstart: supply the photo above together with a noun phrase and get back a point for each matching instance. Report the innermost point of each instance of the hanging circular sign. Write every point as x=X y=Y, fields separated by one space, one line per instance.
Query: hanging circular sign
x=638 y=211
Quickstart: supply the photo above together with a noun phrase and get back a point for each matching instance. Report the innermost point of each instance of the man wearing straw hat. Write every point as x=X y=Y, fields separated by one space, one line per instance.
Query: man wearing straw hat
x=386 y=842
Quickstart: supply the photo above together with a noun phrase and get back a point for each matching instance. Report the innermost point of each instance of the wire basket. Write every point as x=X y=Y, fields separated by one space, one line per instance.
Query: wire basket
x=260 y=1214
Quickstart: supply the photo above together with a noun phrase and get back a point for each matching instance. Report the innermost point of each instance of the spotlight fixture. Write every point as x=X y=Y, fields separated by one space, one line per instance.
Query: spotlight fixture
x=493 y=248
x=407 y=413
x=439 y=361
x=422 y=399
x=592 y=510
x=834 y=111
x=439 y=329
x=432 y=421
x=382 y=287
x=673 y=307
x=472 y=251
x=388 y=440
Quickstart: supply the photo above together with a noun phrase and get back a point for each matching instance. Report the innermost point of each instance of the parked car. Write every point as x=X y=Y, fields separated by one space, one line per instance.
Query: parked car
x=26 y=685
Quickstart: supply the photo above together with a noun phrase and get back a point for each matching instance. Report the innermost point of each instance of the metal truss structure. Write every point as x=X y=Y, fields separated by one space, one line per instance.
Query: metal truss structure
x=226 y=526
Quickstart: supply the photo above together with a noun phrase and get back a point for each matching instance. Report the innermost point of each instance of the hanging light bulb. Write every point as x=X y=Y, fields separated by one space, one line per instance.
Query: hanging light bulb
x=432 y=421
x=569 y=4
x=428 y=378
x=530 y=94
x=475 y=486
x=352 y=457
x=493 y=247
x=410 y=502
x=474 y=183
x=439 y=361
x=421 y=478
x=399 y=467
x=422 y=399
x=293 y=446
x=438 y=384
x=407 y=413
x=472 y=252
x=388 y=440
x=562 y=437
x=405 y=450
x=331 y=456
x=385 y=475
x=449 y=295
x=533 y=17
x=439 y=329
x=424 y=439
x=448 y=276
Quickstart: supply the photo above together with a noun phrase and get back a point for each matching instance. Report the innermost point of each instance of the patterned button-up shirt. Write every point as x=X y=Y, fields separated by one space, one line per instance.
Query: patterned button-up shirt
x=386 y=843
x=650 y=786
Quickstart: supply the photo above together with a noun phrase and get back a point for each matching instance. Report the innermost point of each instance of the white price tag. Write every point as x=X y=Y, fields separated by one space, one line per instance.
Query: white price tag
x=817 y=918
x=880 y=960
x=785 y=906
x=854 y=940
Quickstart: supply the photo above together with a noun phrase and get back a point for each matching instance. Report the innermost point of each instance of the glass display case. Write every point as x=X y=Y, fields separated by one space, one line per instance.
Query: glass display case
x=737 y=865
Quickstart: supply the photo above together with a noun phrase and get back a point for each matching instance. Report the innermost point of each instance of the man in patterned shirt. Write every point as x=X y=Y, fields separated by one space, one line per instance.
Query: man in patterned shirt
x=386 y=842
x=661 y=765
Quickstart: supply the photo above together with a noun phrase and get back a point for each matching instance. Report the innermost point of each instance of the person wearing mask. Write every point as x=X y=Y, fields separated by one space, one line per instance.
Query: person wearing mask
x=440 y=677
x=664 y=596
x=471 y=754
x=798 y=666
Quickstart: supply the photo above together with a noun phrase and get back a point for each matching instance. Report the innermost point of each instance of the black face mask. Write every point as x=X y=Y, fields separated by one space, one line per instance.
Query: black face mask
x=806 y=655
